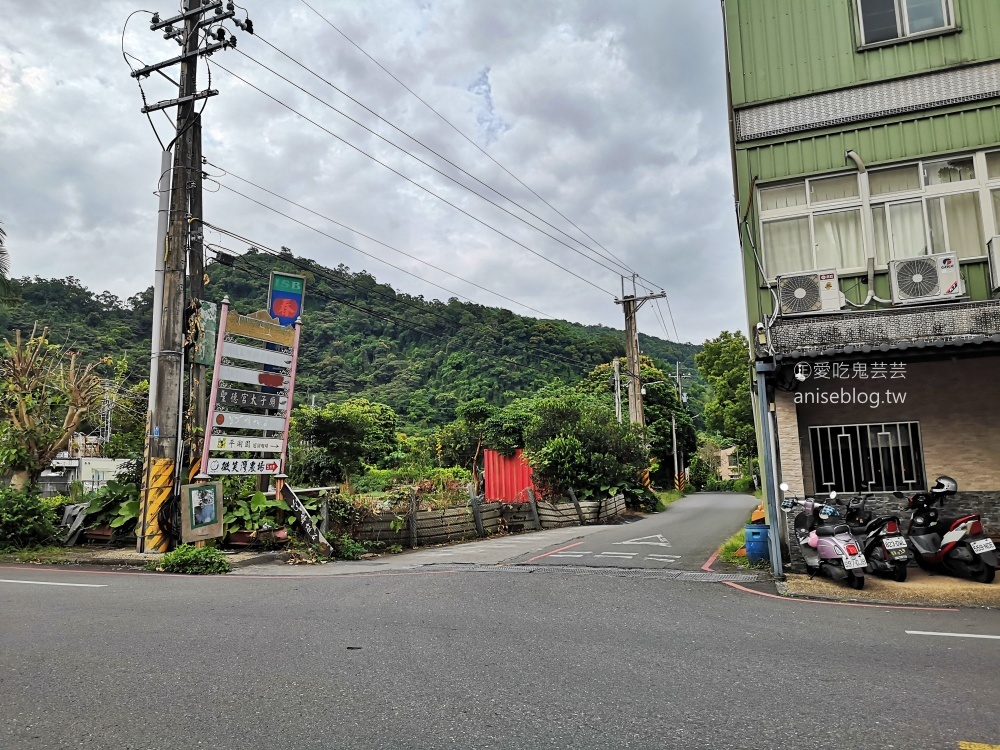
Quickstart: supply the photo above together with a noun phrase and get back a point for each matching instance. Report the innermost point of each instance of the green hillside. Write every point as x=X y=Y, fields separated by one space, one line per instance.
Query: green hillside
x=360 y=338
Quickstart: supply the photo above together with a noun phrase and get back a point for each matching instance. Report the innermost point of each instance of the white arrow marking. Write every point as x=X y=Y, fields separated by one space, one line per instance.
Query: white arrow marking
x=51 y=583
x=657 y=540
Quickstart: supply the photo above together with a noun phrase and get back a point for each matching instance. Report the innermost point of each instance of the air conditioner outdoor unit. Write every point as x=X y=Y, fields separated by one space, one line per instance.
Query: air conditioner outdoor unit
x=926 y=279
x=994 y=251
x=810 y=292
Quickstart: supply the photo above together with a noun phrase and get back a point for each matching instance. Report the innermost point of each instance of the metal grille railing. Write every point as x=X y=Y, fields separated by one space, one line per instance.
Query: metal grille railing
x=867 y=457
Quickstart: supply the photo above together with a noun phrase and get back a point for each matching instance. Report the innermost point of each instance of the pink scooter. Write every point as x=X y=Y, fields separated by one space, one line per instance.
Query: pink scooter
x=826 y=542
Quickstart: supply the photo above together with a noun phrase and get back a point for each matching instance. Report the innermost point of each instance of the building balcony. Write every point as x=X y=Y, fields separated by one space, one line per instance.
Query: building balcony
x=894 y=329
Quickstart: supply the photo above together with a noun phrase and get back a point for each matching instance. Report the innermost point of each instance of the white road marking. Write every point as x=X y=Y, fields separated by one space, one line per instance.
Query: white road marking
x=664 y=558
x=953 y=635
x=52 y=583
x=626 y=555
x=657 y=540
x=569 y=554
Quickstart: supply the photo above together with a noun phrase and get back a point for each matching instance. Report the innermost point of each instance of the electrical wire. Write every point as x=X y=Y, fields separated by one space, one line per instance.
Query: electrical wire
x=388 y=318
x=325 y=274
x=436 y=153
x=142 y=92
x=414 y=182
x=368 y=237
x=457 y=130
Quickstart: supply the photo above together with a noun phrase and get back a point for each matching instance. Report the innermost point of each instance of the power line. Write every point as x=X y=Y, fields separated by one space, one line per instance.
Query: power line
x=436 y=153
x=414 y=182
x=383 y=244
x=456 y=129
x=375 y=314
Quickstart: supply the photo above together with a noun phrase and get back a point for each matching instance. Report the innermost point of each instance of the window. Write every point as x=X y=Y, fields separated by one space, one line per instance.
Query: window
x=815 y=223
x=888 y=20
x=941 y=205
x=867 y=457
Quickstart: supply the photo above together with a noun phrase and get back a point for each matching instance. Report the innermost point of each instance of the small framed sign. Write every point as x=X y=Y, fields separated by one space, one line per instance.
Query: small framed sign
x=201 y=511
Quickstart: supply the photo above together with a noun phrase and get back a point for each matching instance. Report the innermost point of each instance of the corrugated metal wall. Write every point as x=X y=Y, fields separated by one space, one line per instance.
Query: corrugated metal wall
x=784 y=48
x=506 y=479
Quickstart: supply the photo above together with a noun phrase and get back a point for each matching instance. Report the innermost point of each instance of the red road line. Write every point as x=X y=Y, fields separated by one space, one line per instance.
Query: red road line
x=232 y=577
x=708 y=565
x=546 y=554
x=842 y=604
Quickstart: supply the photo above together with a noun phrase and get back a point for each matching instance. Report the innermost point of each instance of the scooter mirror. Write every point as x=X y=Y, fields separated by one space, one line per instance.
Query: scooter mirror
x=833 y=495
x=783 y=486
x=899 y=495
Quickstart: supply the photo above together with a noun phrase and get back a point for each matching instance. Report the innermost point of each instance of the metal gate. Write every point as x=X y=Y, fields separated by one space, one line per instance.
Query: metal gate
x=868 y=457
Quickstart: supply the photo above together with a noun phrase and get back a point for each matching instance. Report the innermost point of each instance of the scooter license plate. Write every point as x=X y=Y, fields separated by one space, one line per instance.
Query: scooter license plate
x=894 y=542
x=982 y=545
x=858 y=561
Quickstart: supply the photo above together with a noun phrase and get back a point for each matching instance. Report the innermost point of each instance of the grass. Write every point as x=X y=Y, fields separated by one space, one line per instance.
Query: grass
x=729 y=548
x=46 y=554
x=665 y=497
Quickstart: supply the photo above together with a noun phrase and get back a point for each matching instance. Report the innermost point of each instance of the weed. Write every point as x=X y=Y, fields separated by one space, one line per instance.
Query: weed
x=192 y=561
x=345 y=548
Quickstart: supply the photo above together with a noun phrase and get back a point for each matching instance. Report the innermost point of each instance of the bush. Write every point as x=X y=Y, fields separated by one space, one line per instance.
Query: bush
x=195 y=561
x=345 y=548
x=383 y=480
x=743 y=484
x=25 y=520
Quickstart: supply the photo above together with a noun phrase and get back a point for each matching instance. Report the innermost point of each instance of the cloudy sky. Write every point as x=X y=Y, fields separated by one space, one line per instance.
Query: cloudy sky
x=612 y=110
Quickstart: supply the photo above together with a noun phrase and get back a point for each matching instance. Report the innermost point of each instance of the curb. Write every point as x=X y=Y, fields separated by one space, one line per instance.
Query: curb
x=782 y=587
x=262 y=558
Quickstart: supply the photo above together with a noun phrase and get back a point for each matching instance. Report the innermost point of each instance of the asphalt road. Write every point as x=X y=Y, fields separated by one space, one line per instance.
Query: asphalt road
x=439 y=659
x=682 y=537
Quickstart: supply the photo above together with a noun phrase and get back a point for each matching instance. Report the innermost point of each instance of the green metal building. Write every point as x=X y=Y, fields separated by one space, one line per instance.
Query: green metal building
x=866 y=160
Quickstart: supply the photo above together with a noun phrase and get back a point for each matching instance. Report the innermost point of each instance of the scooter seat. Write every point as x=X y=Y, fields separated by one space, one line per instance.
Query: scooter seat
x=832 y=530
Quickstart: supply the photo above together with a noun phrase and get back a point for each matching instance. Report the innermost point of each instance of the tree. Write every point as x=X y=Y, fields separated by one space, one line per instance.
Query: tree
x=337 y=440
x=724 y=362
x=6 y=293
x=44 y=396
x=660 y=403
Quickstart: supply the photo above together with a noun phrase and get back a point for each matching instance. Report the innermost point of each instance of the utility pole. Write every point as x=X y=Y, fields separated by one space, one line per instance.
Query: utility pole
x=618 y=389
x=673 y=424
x=164 y=452
x=631 y=304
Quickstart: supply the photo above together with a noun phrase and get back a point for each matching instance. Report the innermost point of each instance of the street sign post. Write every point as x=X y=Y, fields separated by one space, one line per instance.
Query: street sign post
x=236 y=398
x=244 y=443
x=228 y=466
x=286 y=296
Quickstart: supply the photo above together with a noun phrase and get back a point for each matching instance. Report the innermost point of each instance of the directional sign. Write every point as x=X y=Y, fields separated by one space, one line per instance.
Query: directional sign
x=285 y=297
x=217 y=466
x=248 y=421
x=237 y=443
x=252 y=377
x=255 y=328
x=657 y=540
x=253 y=354
x=250 y=399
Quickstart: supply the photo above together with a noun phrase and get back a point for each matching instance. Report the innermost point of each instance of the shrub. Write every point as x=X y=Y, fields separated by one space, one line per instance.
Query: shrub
x=743 y=484
x=195 y=561
x=25 y=520
x=345 y=548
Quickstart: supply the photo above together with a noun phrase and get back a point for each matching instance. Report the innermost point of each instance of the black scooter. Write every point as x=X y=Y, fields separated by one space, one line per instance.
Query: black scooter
x=883 y=542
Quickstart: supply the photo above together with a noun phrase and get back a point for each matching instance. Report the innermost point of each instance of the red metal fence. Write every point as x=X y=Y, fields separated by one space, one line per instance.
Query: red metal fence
x=506 y=479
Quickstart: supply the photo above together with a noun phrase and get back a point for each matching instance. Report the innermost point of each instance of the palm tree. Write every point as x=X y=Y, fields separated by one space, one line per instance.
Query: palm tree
x=6 y=293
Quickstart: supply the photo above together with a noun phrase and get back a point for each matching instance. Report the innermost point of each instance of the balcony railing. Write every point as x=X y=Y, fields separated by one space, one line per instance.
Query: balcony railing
x=945 y=324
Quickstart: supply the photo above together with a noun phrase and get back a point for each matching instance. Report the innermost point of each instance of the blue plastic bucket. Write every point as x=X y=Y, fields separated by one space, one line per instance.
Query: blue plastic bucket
x=755 y=537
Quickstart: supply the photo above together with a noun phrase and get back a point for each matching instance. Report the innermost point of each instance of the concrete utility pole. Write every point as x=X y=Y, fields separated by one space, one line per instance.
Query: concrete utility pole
x=631 y=304
x=678 y=462
x=618 y=389
x=164 y=453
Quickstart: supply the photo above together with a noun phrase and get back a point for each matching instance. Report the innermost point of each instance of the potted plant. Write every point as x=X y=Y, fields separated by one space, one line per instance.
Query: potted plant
x=254 y=520
x=106 y=514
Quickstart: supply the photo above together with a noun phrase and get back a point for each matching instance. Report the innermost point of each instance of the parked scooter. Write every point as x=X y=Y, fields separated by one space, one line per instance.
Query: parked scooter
x=826 y=542
x=956 y=545
x=881 y=539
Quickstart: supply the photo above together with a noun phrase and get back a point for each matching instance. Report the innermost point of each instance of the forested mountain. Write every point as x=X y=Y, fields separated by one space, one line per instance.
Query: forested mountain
x=359 y=338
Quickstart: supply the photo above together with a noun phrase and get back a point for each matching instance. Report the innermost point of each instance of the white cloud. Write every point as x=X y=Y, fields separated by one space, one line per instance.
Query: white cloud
x=614 y=112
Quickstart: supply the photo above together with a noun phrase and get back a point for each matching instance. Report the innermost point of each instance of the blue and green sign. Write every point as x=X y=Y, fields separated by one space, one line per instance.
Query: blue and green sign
x=286 y=296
